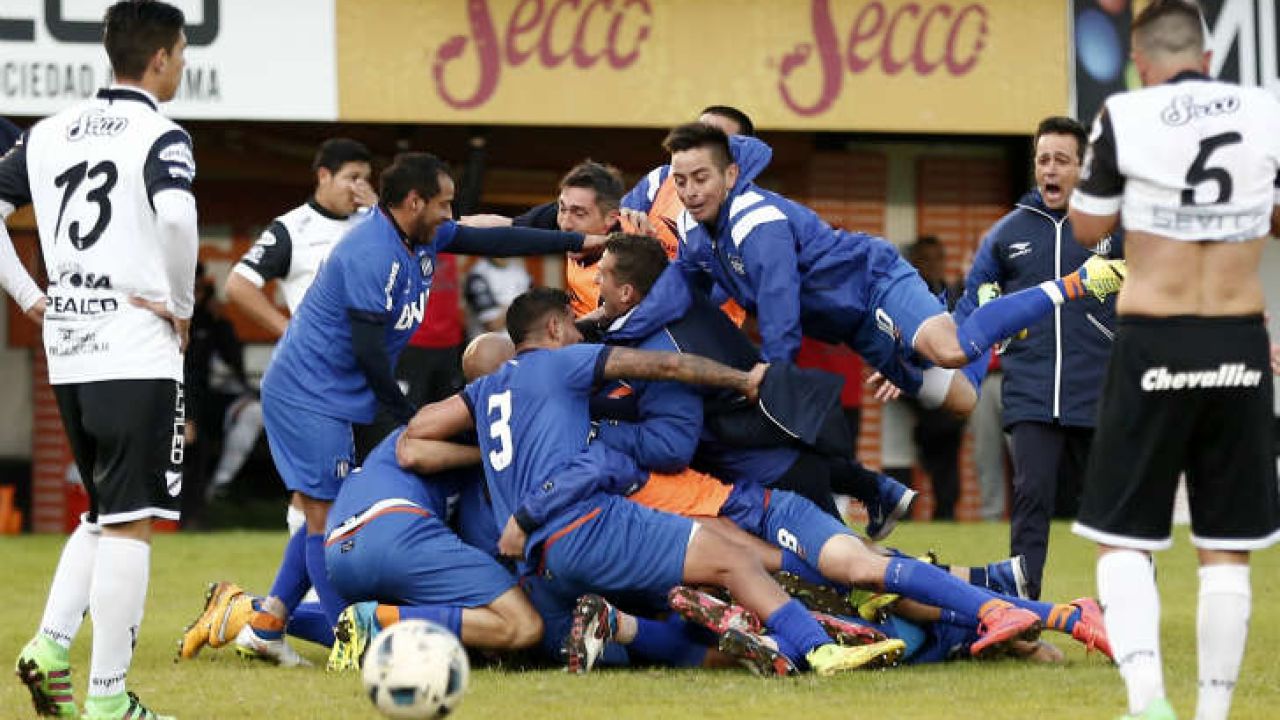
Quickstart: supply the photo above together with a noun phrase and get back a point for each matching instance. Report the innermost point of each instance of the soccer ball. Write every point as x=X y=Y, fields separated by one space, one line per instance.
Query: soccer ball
x=415 y=670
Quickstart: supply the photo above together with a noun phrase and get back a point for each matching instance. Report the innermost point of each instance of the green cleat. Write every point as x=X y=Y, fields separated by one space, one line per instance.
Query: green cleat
x=44 y=668
x=1103 y=277
x=831 y=659
x=356 y=628
x=1159 y=709
x=125 y=706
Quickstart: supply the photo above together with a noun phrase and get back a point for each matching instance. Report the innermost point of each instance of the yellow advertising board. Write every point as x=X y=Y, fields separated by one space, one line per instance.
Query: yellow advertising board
x=989 y=66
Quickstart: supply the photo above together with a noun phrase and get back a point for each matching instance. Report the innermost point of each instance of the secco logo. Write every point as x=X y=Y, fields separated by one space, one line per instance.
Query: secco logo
x=920 y=38
x=1226 y=376
x=548 y=31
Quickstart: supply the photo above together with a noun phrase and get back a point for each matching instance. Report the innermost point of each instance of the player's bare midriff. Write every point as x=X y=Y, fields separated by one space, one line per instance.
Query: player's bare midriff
x=1177 y=277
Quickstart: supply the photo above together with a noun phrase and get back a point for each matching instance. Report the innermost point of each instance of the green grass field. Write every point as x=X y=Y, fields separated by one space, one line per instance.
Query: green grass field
x=220 y=685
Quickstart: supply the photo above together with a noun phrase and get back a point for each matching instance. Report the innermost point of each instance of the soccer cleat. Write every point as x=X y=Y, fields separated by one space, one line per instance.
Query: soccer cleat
x=125 y=706
x=48 y=679
x=594 y=624
x=1102 y=276
x=998 y=626
x=356 y=628
x=831 y=658
x=712 y=613
x=755 y=653
x=252 y=646
x=227 y=608
x=821 y=598
x=1009 y=577
x=847 y=632
x=1158 y=709
x=893 y=502
x=1090 y=628
x=872 y=606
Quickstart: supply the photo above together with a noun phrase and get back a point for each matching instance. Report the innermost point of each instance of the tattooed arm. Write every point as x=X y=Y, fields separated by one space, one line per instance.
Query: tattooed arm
x=625 y=363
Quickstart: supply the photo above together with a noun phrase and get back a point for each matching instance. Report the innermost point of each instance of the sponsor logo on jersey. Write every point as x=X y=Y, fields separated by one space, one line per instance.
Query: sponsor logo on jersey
x=413 y=313
x=96 y=123
x=1018 y=249
x=69 y=343
x=179 y=160
x=75 y=276
x=1226 y=375
x=391 y=283
x=82 y=307
x=886 y=324
x=1184 y=108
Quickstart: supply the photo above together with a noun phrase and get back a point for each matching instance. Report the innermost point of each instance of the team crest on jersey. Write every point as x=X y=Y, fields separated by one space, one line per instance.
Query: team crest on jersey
x=735 y=261
x=428 y=265
x=1104 y=247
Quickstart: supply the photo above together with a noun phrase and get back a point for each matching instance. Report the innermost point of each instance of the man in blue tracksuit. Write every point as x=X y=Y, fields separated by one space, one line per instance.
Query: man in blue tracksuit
x=1053 y=375
x=668 y=426
x=798 y=275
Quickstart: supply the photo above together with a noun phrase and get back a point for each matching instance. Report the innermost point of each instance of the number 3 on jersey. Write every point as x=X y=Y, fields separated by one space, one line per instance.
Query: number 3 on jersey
x=500 y=430
x=70 y=181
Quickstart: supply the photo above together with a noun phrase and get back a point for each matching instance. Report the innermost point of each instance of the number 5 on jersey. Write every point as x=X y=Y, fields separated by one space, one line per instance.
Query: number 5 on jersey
x=500 y=431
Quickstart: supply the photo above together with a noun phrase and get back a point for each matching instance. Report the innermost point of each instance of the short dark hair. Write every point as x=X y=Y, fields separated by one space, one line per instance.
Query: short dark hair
x=411 y=171
x=1169 y=26
x=133 y=30
x=336 y=152
x=1060 y=125
x=694 y=135
x=605 y=180
x=529 y=309
x=639 y=259
x=728 y=112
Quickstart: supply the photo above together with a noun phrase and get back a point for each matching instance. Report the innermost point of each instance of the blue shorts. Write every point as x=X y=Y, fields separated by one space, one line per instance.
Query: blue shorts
x=314 y=453
x=899 y=304
x=782 y=518
x=406 y=559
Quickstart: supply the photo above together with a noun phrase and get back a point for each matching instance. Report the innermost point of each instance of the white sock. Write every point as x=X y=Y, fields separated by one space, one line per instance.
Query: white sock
x=69 y=592
x=1131 y=605
x=238 y=442
x=116 y=601
x=1222 y=625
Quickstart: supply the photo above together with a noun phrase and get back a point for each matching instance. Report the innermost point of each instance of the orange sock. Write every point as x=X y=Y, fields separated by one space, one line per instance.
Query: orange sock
x=387 y=615
x=1072 y=286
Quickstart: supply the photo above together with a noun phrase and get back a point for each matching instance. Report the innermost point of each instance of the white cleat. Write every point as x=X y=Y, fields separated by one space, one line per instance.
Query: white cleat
x=278 y=652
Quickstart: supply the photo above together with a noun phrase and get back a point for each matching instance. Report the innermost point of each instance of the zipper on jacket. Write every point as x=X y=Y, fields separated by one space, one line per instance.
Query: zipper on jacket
x=1057 y=310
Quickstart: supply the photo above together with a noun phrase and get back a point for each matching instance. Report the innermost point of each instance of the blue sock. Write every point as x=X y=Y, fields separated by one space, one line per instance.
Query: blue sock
x=932 y=586
x=978 y=577
x=951 y=617
x=308 y=622
x=1003 y=317
x=976 y=370
x=793 y=622
x=666 y=642
x=787 y=648
x=291 y=581
x=447 y=616
x=330 y=600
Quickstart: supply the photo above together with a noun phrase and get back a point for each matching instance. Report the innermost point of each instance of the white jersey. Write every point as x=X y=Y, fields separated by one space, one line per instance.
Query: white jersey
x=92 y=171
x=1191 y=159
x=292 y=249
x=489 y=289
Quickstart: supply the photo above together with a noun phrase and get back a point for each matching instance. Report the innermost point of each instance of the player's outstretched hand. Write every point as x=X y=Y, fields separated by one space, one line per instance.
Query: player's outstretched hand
x=634 y=221
x=882 y=389
x=36 y=312
x=181 y=327
x=592 y=247
x=755 y=379
x=484 y=220
x=511 y=544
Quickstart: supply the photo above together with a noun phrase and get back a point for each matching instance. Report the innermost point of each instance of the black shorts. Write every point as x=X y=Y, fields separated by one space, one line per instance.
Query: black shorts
x=1185 y=394
x=127 y=438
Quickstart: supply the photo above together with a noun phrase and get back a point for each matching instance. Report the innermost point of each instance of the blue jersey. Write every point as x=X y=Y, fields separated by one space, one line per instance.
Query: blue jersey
x=533 y=422
x=371 y=272
x=382 y=478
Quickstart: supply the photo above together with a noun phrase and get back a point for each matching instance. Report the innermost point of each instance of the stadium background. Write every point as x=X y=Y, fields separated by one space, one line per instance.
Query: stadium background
x=892 y=117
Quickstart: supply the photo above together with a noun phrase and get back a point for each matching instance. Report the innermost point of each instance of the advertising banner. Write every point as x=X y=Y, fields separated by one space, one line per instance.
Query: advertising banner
x=246 y=59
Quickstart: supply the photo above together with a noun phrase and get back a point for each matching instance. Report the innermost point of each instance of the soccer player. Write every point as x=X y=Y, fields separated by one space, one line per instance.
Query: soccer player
x=1052 y=373
x=110 y=179
x=838 y=286
x=1191 y=166
x=572 y=528
x=333 y=367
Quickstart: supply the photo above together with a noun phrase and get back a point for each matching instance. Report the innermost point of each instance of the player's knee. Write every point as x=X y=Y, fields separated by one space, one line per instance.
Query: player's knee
x=936 y=340
x=528 y=632
x=961 y=397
